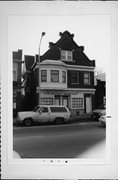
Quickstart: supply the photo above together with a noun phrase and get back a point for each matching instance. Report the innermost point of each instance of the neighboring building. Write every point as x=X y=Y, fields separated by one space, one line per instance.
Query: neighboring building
x=67 y=76
x=17 y=69
x=100 y=93
x=30 y=98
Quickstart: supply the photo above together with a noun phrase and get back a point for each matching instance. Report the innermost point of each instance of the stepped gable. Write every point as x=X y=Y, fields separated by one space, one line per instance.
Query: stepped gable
x=66 y=42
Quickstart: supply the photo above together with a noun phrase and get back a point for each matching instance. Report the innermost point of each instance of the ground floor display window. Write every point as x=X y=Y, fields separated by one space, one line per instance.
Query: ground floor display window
x=47 y=101
x=77 y=103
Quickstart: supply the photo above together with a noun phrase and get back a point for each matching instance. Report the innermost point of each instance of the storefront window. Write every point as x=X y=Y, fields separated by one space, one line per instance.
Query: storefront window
x=77 y=103
x=47 y=101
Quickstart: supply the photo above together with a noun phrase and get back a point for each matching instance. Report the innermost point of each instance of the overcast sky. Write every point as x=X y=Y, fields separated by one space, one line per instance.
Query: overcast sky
x=91 y=31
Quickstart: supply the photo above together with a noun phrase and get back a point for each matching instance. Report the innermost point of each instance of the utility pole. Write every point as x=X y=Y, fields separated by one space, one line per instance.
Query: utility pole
x=39 y=74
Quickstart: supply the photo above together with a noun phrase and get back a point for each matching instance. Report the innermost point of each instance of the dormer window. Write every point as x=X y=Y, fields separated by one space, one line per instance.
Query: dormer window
x=66 y=55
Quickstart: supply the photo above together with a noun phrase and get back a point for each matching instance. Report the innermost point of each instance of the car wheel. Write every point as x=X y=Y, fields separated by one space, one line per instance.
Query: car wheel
x=28 y=122
x=59 y=121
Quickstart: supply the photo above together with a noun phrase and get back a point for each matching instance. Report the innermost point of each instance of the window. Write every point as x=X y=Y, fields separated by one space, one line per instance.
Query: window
x=54 y=76
x=75 y=78
x=77 y=103
x=43 y=109
x=64 y=76
x=86 y=78
x=47 y=101
x=58 y=109
x=66 y=55
x=57 y=100
x=43 y=75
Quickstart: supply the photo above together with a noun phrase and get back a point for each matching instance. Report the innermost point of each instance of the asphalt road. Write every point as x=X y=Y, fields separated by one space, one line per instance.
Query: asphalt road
x=84 y=140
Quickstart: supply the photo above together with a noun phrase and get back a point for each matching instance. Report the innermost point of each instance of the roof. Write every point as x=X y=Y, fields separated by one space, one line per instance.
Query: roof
x=51 y=62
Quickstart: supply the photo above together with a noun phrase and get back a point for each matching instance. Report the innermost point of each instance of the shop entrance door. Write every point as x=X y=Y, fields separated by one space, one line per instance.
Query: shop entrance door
x=57 y=100
x=88 y=105
x=65 y=101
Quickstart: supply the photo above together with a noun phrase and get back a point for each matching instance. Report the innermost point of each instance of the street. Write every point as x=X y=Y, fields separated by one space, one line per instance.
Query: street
x=78 y=140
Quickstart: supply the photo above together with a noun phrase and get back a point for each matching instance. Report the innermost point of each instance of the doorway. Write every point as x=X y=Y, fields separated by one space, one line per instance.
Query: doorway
x=65 y=101
x=88 y=105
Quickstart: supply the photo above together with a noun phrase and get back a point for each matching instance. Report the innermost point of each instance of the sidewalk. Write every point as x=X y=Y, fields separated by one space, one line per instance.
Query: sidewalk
x=74 y=119
x=81 y=118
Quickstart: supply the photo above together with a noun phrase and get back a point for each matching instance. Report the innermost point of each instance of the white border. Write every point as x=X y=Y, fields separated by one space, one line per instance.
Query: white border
x=84 y=168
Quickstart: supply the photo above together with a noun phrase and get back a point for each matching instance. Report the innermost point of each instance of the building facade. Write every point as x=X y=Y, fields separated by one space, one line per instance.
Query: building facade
x=67 y=76
x=100 y=93
x=17 y=88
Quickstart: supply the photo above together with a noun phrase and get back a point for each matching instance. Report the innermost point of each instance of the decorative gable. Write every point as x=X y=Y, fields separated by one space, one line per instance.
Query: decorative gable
x=67 y=50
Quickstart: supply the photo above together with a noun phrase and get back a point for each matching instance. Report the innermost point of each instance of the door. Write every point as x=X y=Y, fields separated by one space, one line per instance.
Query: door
x=88 y=105
x=42 y=115
x=57 y=100
x=65 y=101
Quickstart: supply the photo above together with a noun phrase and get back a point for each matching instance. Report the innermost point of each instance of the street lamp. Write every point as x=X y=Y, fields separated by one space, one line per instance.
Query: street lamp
x=42 y=34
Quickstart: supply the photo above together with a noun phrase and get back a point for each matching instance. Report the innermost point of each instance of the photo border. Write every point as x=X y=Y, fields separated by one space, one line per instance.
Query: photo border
x=52 y=168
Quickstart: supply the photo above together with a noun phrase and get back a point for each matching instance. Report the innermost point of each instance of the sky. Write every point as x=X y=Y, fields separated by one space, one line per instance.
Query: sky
x=91 y=31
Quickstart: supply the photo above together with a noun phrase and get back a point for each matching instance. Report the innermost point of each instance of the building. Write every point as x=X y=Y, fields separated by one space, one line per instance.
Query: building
x=30 y=99
x=100 y=93
x=17 y=88
x=67 y=75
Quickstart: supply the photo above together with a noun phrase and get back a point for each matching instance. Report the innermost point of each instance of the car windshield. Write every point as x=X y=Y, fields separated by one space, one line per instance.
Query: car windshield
x=101 y=106
x=36 y=108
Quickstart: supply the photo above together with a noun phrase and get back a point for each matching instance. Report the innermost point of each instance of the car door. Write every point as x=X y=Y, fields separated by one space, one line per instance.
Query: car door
x=42 y=114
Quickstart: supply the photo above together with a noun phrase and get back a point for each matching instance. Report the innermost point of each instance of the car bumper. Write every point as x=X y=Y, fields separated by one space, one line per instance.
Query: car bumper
x=19 y=121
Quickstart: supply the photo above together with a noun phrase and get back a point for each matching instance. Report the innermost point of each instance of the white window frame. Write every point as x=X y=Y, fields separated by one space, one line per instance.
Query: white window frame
x=46 y=101
x=43 y=75
x=87 y=78
x=66 y=55
x=52 y=80
x=77 y=104
x=63 y=76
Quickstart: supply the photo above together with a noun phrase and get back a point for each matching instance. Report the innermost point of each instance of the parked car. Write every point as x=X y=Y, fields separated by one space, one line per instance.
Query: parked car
x=43 y=114
x=102 y=118
x=97 y=112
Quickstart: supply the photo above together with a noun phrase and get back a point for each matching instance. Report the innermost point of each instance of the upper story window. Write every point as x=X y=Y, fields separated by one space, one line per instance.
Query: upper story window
x=87 y=78
x=43 y=75
x=64 y=76
x=75 y=77
x=54 y=75
x=66 y=55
